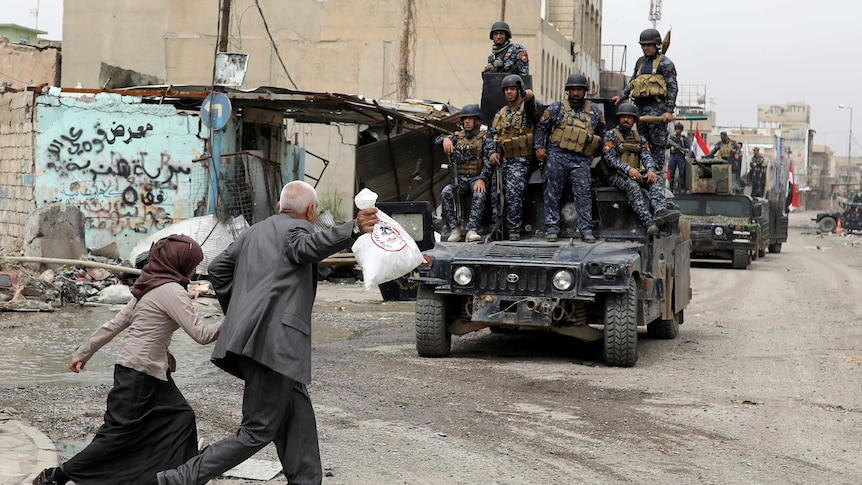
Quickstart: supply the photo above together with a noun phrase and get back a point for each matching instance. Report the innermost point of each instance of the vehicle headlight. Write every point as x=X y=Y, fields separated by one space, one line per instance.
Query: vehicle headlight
x=563 y=280
x=463 y=275
x=718 y=231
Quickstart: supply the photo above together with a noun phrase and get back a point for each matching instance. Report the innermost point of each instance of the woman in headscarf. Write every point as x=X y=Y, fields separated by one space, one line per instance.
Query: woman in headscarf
x=148 y=426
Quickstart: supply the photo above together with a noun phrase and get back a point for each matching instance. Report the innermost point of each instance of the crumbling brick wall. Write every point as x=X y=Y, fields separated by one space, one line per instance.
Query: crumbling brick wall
x=16 y=167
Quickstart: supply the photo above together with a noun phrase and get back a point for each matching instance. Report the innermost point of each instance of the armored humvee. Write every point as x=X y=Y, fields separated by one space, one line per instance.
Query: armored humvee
x=850 y=216
x=604 y=291
x=725 y=226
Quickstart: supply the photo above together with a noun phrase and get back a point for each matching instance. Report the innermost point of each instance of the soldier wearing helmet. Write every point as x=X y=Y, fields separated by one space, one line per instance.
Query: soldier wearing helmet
x=468 y=152
x=680 y=148
x=512 y=134
x=626 y=153
x=506 y=56
x=757 y=174
x=653 y=89
x=727 y=149
x=567 y=138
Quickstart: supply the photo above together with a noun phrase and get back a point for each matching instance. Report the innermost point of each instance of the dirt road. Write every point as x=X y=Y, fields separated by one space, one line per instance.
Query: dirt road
x=763 y=385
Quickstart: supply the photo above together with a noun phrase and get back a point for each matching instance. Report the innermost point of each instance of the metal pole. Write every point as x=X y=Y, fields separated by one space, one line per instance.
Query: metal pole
x=849 y=137
x=225 y=26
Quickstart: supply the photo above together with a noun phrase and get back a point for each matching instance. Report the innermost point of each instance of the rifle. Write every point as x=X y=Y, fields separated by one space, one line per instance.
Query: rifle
x=456 y=188
x=657 y=119
x=685 y=151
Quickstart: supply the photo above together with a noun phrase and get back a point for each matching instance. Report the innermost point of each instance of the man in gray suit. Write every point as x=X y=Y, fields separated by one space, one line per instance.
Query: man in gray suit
x=266 y=282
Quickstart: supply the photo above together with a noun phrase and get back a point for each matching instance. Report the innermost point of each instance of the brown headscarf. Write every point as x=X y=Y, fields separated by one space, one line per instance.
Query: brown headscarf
x=170 y=260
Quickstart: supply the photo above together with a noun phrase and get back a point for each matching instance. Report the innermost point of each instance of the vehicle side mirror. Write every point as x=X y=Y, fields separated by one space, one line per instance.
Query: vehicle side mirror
x=415 y=218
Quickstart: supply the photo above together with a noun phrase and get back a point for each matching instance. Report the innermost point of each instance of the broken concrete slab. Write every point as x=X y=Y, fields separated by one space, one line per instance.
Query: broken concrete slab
x=54 y=231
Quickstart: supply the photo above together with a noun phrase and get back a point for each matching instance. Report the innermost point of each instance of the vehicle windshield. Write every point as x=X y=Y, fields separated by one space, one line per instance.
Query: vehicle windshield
x=720 y=207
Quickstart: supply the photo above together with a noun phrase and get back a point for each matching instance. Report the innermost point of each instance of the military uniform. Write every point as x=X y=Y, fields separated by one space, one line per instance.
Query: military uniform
x=512 y=134
x=470 y=158
x=757 y=175
x=733 y=155
x=677 y=158
x=653 y=89
x=574 y=135
x=623 y=149
x=509 y=57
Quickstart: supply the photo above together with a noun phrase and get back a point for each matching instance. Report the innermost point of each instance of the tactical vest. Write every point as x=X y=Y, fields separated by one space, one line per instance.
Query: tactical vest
x=472 y=150
x=651 y=84
x=727 y=150
x=680 y=140
x=512 y=140
x=628 y=151
x=575 y=132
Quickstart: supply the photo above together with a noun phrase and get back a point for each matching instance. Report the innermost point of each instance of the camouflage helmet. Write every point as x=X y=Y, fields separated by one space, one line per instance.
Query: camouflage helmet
x=471 y=110
x=500 y=26
x=576 y=81
x=512 y=80
x=650 y=36
x=628 y=109
x=678 y=126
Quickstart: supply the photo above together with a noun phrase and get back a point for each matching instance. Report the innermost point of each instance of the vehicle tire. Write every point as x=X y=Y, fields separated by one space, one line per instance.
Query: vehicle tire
x=665 y=329
x=432 y=339
x=621 y=328
x=761 y=252
x=775 y=248
x=827 y=224
x=740 y=260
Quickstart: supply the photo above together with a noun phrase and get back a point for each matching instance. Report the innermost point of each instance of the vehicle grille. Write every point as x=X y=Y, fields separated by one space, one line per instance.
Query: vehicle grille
x=530 y=279
x=700 y=233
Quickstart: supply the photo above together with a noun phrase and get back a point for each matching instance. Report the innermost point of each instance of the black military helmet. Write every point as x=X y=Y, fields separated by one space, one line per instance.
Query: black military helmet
x=650 y=36
x=757 y=149
x=576 y=81
x=512 y=80
x=678 y=126
x=471 y=110
x=501 y=26
x=628 y=109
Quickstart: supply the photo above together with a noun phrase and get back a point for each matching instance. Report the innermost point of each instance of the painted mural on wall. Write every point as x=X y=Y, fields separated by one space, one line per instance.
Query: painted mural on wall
x=128 y=166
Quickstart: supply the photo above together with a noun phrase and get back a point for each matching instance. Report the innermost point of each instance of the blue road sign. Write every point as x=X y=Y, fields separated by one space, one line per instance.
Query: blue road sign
x=215 y=111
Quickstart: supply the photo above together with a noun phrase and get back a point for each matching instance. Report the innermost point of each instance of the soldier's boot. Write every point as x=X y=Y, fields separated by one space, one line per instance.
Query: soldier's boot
x=552 y=237
x=666 y=215
x=472 y=236
x=514 y=236
x=589 y=238
x=456 y=234
x=652 y=229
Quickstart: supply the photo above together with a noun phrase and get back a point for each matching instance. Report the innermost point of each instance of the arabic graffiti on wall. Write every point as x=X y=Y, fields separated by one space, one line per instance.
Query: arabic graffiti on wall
x=129 y=170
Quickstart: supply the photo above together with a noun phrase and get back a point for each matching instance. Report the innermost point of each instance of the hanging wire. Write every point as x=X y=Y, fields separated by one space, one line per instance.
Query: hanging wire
x=274 y=46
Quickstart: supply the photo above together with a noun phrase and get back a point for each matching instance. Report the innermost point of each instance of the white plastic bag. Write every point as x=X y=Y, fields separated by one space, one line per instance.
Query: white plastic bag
x=387 y=252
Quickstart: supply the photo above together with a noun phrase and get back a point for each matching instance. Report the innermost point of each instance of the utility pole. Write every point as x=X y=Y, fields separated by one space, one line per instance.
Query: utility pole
x=503 y=10
x=225 y=26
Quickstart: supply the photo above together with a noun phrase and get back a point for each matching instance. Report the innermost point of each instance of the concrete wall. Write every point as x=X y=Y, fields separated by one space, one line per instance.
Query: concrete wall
x=21 y=65
x=16 y=167
x=127 y=165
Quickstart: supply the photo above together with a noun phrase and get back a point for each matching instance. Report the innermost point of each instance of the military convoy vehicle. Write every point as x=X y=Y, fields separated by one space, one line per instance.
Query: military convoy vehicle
x=850 y=216
x=725 y=226
x=605 y=291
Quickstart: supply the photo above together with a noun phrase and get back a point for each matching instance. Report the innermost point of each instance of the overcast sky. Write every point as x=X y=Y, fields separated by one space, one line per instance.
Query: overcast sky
x=750 y=52
x=746 y=52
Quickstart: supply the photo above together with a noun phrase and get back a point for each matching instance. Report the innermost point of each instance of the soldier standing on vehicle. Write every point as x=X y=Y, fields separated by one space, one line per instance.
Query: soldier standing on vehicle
x=512 y=133
x=653 y=89
x=727 y=149
x=625 y=153
x=572 y=130
x=468 y=152
x=680 y=147
x=757 y=174
x=507 y=56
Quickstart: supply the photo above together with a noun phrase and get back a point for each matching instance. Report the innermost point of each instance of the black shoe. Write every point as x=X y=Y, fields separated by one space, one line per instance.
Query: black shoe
x=51 y=476
x=652 y=229
x=666 y=215
x=589 y=238
x=552 y=237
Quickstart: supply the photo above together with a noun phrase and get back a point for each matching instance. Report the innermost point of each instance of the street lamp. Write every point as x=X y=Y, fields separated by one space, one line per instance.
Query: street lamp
x=850 y=135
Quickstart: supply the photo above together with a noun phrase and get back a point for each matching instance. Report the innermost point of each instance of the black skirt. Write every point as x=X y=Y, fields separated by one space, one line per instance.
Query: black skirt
x=148 y=427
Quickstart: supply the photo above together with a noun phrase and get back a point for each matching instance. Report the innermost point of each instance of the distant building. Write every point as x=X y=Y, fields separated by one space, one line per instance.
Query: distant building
x=18 y=34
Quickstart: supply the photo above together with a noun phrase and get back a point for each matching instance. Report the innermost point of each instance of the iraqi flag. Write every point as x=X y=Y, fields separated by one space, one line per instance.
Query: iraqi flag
x=700 y=150
x=792 y=196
